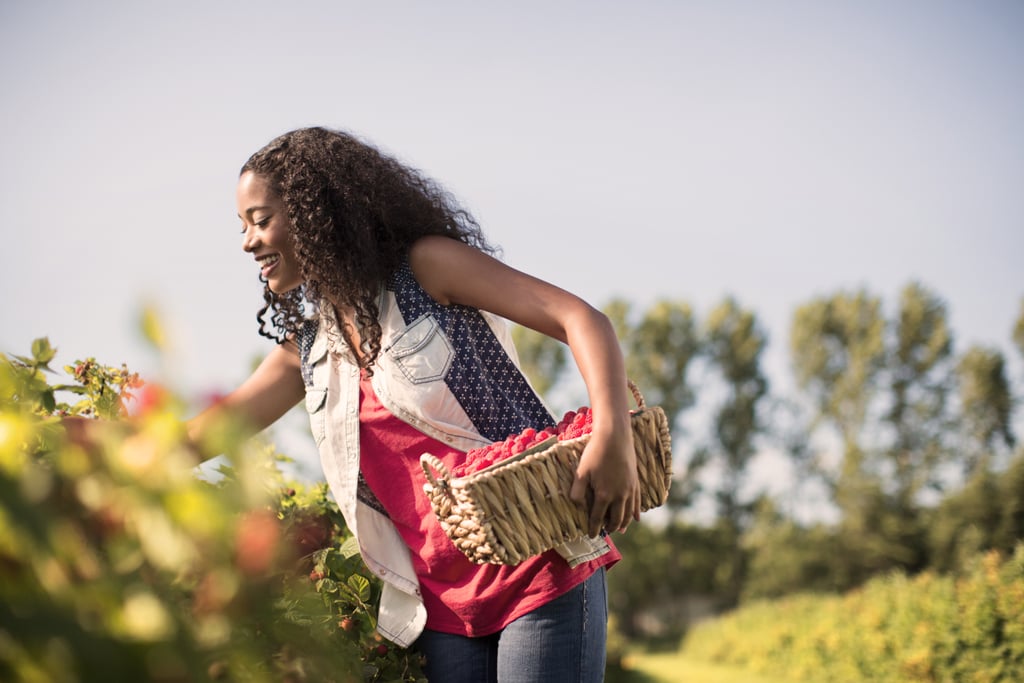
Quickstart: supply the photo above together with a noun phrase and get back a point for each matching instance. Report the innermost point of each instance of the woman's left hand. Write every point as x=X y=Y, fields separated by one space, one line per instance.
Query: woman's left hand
x=606 y=482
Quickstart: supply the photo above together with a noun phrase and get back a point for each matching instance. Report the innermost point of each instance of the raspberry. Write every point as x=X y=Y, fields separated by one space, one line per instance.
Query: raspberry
x=573 y=424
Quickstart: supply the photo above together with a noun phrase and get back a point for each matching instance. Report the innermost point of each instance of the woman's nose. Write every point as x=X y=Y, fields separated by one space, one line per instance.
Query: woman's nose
x=249 y=239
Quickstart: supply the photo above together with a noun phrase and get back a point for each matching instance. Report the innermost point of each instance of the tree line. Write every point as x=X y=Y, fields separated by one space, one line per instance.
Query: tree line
x=910 y=439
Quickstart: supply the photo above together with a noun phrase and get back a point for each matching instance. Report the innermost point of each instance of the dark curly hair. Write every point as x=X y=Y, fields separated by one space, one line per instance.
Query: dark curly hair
x=354 y=214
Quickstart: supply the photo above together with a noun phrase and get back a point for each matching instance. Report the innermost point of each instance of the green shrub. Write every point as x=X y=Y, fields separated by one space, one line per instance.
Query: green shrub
x=119 y=563
x=968 y=627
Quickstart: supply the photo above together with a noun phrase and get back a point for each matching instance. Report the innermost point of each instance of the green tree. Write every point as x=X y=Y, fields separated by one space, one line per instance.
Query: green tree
x=785 y=557
x=986 y=407
x=733 y=343
x=839 y=358
x=920 y=379
x=838 y=354
x=659 y=347
x=964 y=523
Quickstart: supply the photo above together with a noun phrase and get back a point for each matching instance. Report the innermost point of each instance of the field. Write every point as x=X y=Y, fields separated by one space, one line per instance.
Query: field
x=675 y=668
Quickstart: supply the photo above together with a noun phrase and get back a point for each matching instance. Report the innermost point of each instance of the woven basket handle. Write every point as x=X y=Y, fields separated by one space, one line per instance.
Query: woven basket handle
x=432 y=463
x=637 y=396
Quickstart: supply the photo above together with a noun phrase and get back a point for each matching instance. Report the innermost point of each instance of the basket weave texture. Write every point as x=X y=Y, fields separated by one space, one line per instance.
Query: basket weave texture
x=520 y=507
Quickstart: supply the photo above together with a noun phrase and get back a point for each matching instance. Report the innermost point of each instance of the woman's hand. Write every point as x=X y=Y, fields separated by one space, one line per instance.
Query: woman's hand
x=606 y=481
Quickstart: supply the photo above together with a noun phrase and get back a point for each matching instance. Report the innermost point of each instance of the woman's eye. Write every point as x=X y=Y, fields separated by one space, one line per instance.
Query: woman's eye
x=262 y=223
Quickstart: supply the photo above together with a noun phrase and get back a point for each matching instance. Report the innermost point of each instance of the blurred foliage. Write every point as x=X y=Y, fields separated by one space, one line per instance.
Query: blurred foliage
x=118 y=563
x=895 y=628
x=986 y=407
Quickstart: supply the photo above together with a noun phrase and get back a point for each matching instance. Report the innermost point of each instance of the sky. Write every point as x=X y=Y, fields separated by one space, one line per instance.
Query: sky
x=769 y=151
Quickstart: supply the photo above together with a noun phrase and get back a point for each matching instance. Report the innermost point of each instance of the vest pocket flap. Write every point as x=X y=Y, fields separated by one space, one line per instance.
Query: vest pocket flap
x=414 y=338
x=315 y=399
x=422 y=352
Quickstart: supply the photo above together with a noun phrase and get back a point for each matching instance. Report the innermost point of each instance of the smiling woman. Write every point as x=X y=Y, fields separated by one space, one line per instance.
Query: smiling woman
x=390 y=314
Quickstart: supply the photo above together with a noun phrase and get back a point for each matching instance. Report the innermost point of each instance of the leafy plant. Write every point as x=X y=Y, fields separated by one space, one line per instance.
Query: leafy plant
x=118 y=562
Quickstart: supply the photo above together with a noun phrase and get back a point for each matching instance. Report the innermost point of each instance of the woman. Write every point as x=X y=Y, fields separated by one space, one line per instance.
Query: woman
x=388 y=309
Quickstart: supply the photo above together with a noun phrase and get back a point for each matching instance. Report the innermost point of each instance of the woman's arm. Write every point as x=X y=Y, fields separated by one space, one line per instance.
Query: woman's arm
x=272 y=389
x=452 y=272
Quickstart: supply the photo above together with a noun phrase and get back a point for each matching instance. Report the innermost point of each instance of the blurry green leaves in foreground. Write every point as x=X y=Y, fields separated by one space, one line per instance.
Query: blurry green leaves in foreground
x=152 y=328
x=118 y=563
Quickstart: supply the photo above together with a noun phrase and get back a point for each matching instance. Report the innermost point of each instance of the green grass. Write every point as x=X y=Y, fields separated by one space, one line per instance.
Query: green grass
x=674 y=668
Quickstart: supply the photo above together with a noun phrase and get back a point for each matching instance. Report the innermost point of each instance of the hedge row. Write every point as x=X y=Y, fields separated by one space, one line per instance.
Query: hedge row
x=896 y=628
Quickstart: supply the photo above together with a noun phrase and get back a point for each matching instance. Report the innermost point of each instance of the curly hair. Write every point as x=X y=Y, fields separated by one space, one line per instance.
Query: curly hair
x=354 y=213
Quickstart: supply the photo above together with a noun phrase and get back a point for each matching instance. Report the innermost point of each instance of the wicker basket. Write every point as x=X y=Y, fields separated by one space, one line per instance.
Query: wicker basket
x=520 y=507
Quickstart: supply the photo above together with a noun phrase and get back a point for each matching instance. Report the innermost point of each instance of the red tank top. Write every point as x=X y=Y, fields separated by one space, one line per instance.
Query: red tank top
x=460 y=596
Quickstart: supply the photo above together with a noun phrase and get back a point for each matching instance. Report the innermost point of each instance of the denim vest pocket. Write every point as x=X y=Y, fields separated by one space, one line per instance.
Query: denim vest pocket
x=422 y=352
x=316 y=399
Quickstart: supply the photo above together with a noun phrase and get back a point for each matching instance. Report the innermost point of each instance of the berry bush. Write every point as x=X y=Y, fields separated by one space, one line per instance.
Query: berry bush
x=119 y=561
x=925 y=628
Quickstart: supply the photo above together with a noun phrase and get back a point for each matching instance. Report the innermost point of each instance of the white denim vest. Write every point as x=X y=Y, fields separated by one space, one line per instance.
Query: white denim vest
x=434 y=360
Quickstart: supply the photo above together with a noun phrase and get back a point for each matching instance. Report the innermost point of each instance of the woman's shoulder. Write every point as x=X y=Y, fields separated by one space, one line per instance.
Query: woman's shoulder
x=441 y=264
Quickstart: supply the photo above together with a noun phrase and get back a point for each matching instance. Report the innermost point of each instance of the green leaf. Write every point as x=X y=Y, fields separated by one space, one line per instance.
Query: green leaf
x=152 y=328
x=360 y=585
x=73 y=388
x=49 y=403
x=350 y=548
x=42 y=351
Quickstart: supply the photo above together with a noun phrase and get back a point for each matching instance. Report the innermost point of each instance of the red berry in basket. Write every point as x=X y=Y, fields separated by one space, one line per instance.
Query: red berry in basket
x=575 y=424
x=485 y=456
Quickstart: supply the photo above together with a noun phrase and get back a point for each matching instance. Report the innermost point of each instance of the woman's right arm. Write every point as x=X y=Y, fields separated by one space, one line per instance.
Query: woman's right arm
x=271 y=391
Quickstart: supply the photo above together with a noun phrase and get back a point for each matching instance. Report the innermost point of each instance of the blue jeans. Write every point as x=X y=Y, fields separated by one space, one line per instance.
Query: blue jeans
x=560 y=642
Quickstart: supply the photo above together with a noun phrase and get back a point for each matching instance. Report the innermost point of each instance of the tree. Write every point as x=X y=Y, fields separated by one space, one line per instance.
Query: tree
x=839 y=357
x=838 y=353
x=785 y=557
x=659 y=348
x=920 y=379
x=986 y=407
x=733 y=344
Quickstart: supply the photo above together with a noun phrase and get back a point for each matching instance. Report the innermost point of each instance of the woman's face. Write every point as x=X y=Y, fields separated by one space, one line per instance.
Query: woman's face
x=265 y=229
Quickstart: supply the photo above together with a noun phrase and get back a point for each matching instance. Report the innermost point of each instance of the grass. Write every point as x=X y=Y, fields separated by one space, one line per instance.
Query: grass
x=672 y=667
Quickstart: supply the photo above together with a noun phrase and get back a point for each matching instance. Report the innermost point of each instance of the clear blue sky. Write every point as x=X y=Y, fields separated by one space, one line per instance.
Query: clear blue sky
x=774 y=151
